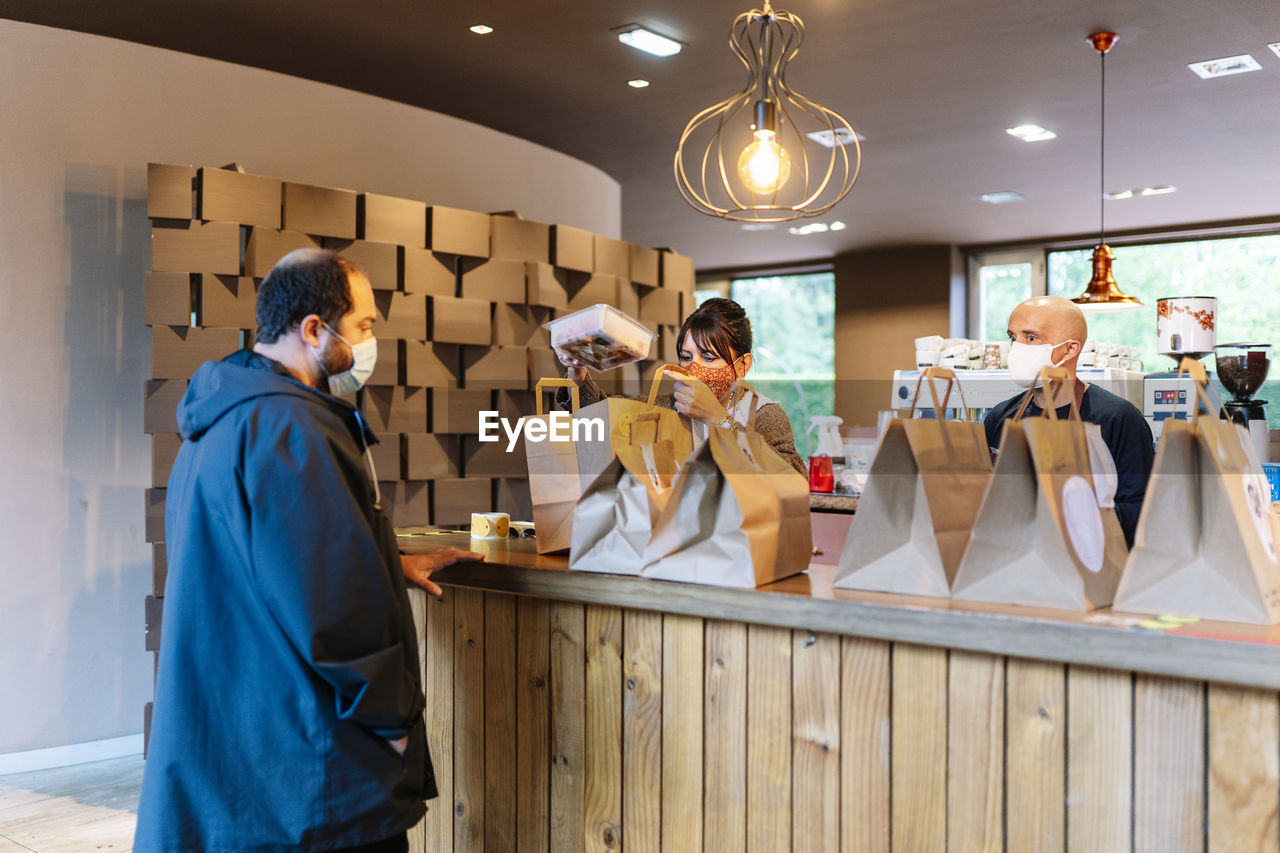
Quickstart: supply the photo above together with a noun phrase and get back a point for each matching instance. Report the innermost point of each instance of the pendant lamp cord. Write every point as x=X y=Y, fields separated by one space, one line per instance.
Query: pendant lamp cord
x=1102 y=159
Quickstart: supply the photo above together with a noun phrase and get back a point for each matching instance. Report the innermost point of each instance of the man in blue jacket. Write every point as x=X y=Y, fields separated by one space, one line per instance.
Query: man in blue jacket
x=288 y=707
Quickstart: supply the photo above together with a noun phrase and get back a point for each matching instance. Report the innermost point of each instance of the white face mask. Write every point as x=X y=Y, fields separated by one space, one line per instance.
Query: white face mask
x=364 y=355
x=1027 y=360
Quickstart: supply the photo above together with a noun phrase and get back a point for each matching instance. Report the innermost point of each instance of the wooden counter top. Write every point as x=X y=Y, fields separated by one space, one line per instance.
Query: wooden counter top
x=1202 y=650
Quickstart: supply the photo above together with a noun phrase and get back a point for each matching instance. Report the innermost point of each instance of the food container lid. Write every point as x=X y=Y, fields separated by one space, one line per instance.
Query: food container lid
x=619 y=338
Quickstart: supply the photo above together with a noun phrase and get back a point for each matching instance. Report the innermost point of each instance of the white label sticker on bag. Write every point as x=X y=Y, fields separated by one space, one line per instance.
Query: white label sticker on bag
x=1257 y=497
x=651 y=465
x=745 y=445
x=1083 y=522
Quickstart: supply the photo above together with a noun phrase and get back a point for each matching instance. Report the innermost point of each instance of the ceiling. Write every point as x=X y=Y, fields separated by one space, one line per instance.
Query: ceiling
x=931 y=84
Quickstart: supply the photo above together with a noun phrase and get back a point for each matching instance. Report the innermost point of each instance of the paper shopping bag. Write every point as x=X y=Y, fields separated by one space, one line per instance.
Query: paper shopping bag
x=923 y=491
x=616 y=414
x=554 y=482
x=738 y=515
x=614 y=518
x=1042 y=537
x=1204 y=545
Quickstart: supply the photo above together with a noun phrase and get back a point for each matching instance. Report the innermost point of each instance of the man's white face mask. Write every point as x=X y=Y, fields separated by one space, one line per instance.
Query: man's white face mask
x=364 y=357
x=1027 y=360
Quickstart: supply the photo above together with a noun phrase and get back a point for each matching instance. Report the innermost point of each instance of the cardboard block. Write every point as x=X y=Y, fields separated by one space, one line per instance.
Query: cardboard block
x=612 y=257
x=520 y=325
x=572 y=248
x=431 y=365
x=431 y=457
x=386 y=219
x=410 y=504
x=456 y=411
x=168 y=299
x=196 y=247
x=453 y=500
x=380 y=262
x=153 y=614
x=401 y=315
x=387 y=369
x=397 y=409
x=430 y=273
x=519 y=239
x=320 y=211
x=543 y=363
x=154 y=518
x=495 y=367
x=677 y=272
x=513 y=405
x=160 y=405
x=230 y=196
x=644 y=266
x=598 y=289
x=513 y=499
x=458 y=232
x=177 y=351
x=267 y=245
x=668 y=340
x=159 y=568
x=492 y=459
x=461 y=321
x=493 y=280
x=228 y=301
x=661 y=305
x=164 y=449
x=545 y=286
x=170 y=191
x=628 y=299
x=386 y=456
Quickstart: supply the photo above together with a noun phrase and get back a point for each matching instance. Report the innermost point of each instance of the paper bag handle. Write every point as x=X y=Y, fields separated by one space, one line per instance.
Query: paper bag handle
x=1205 y=398
x=1051 y=378
x=930 y=374
x=654 y=419
x=558 y=382
x=657 y=379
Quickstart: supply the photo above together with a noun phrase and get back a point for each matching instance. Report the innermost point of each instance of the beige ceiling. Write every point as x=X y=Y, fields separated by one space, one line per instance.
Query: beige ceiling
x=931 y=84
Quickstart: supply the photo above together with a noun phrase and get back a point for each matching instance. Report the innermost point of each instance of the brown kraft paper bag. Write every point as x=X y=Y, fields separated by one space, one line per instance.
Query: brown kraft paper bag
x=738 y=515
x=1042 y=538
x=614 y=518
x=554 y=481
x=922 y=496
x=1204 y=546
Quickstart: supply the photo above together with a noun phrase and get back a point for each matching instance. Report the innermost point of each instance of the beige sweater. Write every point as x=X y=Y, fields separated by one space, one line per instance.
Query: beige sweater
x=771 y=422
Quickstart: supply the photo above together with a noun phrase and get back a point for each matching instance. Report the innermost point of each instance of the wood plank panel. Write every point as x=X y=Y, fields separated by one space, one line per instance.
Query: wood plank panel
x=919 y=722
x=725 y=744
x=768 y=753
x=864 y=745
x=568 y=709
x=1035 y=764
x=681 y=733
x=975 y=752
x=499 y=722
x=1168 y=761
x=533 y=732
x=418 y=605
x=1244 y=781
x=815 y=742
x=1099 y=759
x=642 y=731
x=438 y=685
x=468 y=716
x=602 y=758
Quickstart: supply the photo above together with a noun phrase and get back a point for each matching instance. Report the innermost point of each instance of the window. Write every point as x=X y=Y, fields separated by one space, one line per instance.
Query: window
x=793 y=327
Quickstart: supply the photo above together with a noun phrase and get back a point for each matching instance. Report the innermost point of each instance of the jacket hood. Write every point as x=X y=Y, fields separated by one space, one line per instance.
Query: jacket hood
x=220 y=386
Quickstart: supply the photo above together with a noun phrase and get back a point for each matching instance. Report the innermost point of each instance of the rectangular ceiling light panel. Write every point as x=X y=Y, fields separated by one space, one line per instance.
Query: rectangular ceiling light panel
x=1225 y=67
x=649 y=42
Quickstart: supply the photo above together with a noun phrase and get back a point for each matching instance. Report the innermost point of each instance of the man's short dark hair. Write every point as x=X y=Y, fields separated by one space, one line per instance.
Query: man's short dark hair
x=305 y=281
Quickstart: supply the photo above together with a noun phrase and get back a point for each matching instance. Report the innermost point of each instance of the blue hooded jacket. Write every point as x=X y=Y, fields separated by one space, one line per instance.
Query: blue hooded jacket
x=289 y=655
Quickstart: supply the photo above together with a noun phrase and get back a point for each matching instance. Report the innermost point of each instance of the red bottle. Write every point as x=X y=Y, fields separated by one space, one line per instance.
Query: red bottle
x=821 y=478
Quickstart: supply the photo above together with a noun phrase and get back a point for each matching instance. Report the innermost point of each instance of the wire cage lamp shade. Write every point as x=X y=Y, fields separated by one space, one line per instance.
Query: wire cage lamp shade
x=753 y=157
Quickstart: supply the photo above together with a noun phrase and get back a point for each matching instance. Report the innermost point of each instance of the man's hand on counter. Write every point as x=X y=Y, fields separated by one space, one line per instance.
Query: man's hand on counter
x=418 y=568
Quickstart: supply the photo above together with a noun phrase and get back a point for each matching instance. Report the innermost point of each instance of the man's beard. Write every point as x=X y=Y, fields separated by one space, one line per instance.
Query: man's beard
x=335 y=358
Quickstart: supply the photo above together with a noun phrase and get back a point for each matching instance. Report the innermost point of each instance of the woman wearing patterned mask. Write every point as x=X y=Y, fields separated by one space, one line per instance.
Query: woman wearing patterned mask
x=714 y=346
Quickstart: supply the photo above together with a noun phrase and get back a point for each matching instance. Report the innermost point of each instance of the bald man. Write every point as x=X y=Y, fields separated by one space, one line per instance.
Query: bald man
x=1049 y=331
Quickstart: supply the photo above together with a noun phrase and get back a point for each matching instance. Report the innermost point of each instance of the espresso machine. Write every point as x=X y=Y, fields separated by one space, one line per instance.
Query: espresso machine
x=1185 y=326
x=1242 y=368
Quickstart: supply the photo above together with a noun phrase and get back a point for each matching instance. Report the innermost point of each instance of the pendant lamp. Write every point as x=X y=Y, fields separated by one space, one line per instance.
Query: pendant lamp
x=1102 y=292
x=768 y=153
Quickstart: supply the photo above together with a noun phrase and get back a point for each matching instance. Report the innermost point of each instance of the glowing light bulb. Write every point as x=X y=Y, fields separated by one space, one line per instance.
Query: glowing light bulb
x=764 y=165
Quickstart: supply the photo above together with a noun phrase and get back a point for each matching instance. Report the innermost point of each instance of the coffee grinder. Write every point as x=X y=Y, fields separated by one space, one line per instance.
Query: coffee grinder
x=1242 y=368
x=1185 y=326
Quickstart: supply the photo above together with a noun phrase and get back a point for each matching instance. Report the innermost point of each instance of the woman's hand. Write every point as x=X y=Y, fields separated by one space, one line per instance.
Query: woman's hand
x=577 y=370
x=418 y=568
x=695 y=400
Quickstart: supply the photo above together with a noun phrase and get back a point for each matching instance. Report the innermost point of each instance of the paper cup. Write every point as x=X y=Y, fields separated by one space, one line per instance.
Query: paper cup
x=929 y=342
x=490 y=525
x=926 y=358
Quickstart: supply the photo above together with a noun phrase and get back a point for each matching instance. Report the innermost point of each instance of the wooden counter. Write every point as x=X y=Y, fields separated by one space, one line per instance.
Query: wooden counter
x=576 y=711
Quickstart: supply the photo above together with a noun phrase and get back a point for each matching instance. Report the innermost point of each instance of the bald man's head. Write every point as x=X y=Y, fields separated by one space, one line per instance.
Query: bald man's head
x=1050 y=320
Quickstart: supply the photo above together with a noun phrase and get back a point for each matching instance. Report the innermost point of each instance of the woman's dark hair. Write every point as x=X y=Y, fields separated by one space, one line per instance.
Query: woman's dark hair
x=305 y=281
x=719 y=325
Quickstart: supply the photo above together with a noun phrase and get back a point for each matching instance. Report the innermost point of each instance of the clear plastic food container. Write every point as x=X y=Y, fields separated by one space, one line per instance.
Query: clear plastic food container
x=601 y=337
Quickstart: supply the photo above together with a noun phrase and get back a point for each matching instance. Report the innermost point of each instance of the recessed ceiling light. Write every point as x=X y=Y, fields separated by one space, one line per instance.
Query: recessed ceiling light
x=1163 y=189
x=1225 y=67
x=649 y=41
x=827 y=138
x=637 y=83
x=482 y=29
x=1117 y=195
x=1002 y=197
x=838 y=226
x=1030 y=133
x=1275 y=48
x=811 y=228
x=757 y=226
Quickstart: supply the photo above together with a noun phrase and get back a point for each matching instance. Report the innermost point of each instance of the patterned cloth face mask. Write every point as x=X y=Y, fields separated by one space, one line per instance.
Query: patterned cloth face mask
x=718 y=379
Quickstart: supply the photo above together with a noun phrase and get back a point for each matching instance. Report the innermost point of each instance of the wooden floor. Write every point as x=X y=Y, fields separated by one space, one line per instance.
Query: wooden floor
x=71 y=809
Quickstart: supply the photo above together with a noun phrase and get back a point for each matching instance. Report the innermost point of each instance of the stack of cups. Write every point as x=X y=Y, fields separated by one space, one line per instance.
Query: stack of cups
x=1088 y=355
x=928 y=351
x=955 y=354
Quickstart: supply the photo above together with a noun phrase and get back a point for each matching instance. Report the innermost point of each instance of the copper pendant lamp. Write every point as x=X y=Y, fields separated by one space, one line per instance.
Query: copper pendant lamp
x=768 y=153
x=1102 y=292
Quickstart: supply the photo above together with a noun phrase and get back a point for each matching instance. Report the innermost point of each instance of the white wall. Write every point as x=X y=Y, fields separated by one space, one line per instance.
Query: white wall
x=80 y=117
